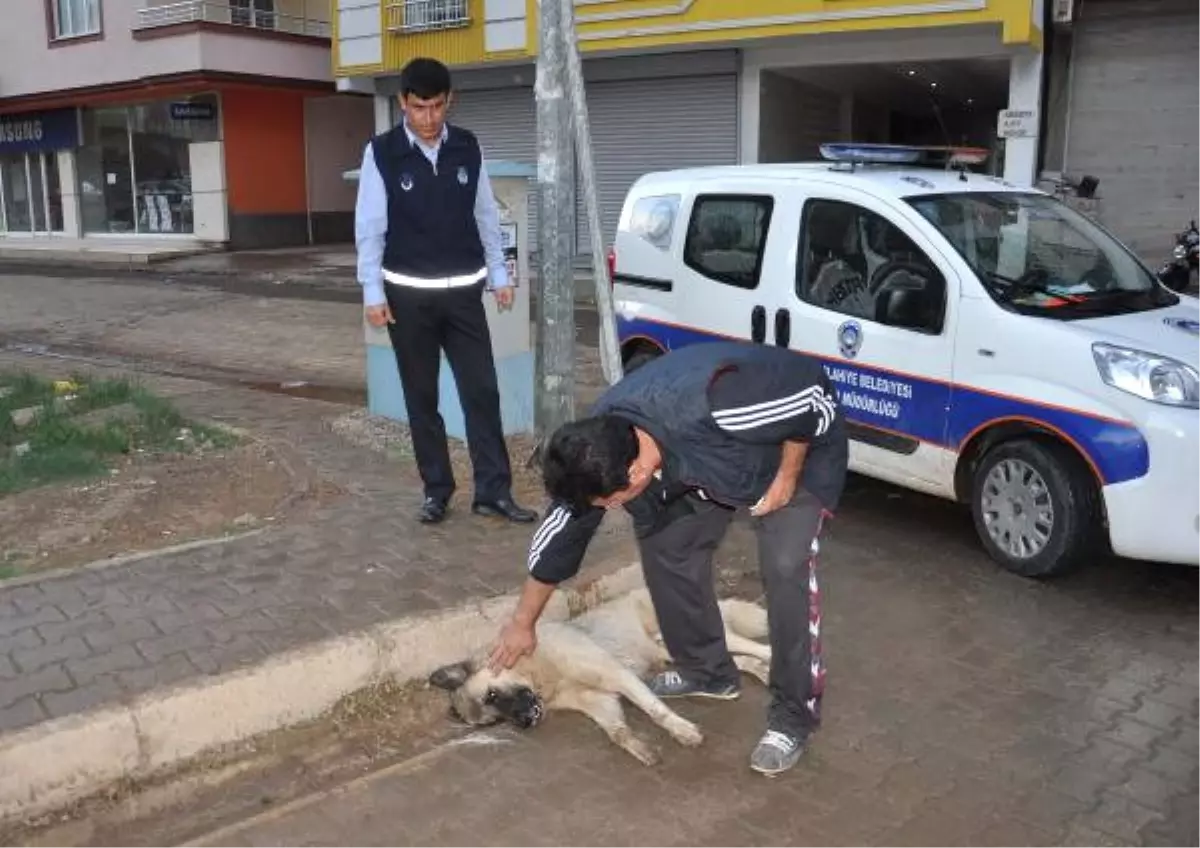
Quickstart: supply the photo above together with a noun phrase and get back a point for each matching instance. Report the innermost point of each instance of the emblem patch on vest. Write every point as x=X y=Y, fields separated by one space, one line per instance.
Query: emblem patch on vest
x=406 y=182
x=462 y=175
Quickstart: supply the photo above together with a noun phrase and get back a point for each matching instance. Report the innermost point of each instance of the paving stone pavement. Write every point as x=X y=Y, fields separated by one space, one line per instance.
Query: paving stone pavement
x=188 y=326
x=965 y=705
x=74 y=642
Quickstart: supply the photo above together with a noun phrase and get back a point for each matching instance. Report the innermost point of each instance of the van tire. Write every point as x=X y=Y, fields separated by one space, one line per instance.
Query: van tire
x=1006 y=485
x=640 y=358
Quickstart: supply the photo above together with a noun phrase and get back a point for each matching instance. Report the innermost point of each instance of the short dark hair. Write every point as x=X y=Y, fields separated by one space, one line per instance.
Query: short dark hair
x=589 y=459
x=424 y=78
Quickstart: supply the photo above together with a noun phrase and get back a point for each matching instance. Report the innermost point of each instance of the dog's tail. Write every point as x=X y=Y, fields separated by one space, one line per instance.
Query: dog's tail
x=744 y=618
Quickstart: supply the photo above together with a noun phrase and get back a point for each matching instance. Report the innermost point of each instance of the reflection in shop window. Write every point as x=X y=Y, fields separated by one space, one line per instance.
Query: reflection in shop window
x=135 y=166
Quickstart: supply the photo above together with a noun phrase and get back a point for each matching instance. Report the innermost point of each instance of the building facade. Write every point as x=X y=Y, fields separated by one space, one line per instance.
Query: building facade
x=677 y=83
x=213 y=122
x=1123 y=106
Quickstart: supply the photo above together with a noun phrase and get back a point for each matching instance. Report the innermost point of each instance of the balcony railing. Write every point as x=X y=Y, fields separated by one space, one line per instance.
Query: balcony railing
x=252 y=14
x=427 y=15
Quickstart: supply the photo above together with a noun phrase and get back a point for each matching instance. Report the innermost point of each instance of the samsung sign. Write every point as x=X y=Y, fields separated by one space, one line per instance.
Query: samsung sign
x=39 y=131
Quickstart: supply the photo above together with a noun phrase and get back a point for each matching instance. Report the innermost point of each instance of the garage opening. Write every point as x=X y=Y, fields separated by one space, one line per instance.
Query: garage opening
x=952 y=102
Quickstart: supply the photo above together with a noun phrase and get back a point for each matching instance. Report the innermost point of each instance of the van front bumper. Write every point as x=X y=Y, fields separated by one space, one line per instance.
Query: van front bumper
x=1157 y=517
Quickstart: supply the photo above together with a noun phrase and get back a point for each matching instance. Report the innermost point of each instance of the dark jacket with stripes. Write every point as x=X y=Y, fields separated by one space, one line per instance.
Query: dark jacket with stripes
x=720 y=413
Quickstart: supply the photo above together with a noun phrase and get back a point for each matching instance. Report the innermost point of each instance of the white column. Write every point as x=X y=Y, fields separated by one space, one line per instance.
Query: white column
x=383 y=113
x=1024 y=92
x=69 y=189
x=210 y=202
x=749 y=112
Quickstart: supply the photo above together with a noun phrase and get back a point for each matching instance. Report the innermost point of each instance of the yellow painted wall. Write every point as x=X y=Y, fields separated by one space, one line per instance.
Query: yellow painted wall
x=622 y=25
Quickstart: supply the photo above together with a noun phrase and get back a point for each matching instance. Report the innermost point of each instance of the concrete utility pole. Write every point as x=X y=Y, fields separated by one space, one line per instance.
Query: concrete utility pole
x=555 y=351
x=610 y=353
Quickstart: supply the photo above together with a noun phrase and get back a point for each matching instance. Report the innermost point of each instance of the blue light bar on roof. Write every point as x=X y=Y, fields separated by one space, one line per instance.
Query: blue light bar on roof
x=902 y=154
x=889 y=154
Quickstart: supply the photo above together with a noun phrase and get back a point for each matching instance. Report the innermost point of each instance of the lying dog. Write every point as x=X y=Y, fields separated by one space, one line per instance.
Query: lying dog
x=588 y=663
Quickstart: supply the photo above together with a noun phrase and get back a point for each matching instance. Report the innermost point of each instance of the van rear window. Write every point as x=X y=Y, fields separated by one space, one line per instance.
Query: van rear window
x=726 y=237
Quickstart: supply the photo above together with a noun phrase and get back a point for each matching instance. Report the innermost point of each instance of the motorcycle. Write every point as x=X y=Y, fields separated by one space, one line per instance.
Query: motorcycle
x=1176 y=272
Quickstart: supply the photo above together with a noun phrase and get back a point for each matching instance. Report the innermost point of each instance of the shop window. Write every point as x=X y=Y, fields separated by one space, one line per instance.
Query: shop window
x=135 y=168
x=30 y=194
x=75 y=18
x=726 y=237
x=855 y=262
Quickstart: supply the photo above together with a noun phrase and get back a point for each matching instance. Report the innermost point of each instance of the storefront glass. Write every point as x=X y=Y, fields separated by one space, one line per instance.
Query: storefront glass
x=135 y=166
x=105 y=172
x=29 y=188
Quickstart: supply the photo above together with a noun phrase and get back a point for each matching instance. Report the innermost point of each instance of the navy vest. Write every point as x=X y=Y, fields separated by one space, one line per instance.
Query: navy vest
x=668 y=398
x=431 y=212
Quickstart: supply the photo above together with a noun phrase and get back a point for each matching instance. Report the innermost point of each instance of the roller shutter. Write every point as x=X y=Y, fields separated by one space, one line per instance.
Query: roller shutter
x=1134 y=116
x=505 y=122
x=647 y=125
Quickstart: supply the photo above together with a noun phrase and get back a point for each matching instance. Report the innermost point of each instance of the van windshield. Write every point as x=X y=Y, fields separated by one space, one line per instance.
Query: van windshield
x=1036 y=255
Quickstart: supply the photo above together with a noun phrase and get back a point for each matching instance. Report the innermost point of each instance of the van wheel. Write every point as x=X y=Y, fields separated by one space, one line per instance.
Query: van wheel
x=640 y=358
x=1036 y=508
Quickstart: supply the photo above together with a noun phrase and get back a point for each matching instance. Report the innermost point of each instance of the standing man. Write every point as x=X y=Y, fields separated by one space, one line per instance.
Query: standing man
x=428 y=236
x=683 y=443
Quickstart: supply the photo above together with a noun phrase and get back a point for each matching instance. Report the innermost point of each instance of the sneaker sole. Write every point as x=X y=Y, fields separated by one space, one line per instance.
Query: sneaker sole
x=777 y=771
x=712 y=696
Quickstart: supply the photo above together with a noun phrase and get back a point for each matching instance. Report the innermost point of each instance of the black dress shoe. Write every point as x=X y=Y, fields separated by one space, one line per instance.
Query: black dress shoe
x=504 y=508
x=433 y=511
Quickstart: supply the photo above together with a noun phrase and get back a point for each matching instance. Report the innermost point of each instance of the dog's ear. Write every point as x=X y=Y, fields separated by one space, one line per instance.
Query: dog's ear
x=450 y=677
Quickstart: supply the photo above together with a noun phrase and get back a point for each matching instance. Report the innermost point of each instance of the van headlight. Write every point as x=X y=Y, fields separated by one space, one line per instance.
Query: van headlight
x=1156 y=378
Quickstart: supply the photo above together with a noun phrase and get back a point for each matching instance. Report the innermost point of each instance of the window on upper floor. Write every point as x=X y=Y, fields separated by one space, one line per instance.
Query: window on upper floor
x=74 y=18
x=253 y=13
x=420 y=15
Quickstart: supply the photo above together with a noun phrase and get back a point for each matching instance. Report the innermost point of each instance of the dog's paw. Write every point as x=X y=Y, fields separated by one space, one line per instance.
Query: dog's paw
x=646 y=755
x=639 y=748
x=686 y=733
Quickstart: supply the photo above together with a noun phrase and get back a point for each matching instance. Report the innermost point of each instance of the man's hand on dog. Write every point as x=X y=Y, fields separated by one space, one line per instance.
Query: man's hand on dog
x=516 y=640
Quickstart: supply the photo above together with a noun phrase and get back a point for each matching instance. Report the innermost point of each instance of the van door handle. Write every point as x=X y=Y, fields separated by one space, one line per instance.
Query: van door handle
x=783 y=327
x=758 y=324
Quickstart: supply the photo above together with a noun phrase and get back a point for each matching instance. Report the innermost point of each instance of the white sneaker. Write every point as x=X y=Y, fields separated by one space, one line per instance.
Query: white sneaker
x=776 y=752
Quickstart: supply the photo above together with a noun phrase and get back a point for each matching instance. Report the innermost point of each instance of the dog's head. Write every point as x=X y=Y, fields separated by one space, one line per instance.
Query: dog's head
x=480 y=698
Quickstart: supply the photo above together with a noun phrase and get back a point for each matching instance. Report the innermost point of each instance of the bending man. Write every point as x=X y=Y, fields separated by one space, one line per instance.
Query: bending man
x=683 y=443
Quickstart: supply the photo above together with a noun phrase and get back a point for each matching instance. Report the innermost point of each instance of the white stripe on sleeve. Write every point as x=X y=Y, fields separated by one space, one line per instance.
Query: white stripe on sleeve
x=812 y=399
x=550 y=528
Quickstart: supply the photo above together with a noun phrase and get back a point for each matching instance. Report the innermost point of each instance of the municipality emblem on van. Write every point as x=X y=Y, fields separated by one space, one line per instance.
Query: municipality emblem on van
x=849 y=338
x=1188 y=325
x=462 y=175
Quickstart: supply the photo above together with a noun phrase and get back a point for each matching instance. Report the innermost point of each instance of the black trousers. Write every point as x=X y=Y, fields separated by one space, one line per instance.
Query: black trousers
x=429 y=321
x=678 y=563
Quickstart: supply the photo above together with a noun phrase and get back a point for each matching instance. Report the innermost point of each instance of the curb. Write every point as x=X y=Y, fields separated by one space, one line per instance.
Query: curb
x=55 y=763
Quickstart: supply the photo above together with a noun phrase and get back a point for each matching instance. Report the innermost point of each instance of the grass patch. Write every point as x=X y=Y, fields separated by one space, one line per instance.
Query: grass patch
x=63 y=442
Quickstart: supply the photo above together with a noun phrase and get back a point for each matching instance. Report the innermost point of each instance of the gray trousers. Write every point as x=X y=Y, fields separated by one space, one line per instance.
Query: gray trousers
x=678 y=563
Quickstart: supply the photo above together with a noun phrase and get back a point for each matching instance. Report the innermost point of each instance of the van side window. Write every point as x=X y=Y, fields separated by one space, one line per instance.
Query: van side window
x=855 y=262
x=726 y=236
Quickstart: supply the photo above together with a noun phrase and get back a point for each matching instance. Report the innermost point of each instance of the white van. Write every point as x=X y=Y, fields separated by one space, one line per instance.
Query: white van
x=991 y=345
